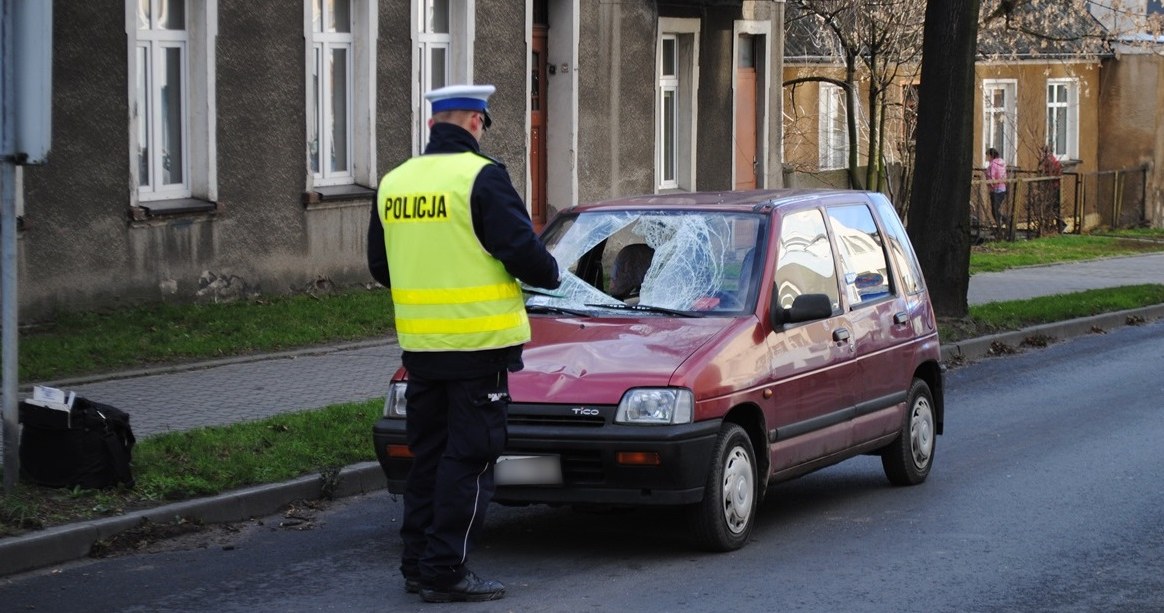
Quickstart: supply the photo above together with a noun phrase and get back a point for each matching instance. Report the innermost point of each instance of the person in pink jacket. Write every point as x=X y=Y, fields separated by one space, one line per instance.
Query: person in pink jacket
x=996 y=180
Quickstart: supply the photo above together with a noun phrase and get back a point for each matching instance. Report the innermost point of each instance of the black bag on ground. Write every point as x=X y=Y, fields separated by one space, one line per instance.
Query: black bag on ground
x=89 y=447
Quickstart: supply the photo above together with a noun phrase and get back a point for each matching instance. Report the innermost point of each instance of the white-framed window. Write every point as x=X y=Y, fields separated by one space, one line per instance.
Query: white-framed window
x=1063 y=117
x=677 y=67
x=444 y=33
x=833 y=132
x=172 y=123
x=668 y=112
x=1000 y=117
x=160 y=50
x=341 y=80
x=330 y=130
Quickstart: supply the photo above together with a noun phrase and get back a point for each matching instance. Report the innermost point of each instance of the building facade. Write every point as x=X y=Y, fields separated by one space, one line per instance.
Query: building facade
x=208 y=150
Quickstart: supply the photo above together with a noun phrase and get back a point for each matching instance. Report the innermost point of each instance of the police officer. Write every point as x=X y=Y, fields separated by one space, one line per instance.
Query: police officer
x=451 y=236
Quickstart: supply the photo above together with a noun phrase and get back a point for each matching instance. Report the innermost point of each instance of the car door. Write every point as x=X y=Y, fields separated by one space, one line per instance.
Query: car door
x=810 y=363
x=878 y=317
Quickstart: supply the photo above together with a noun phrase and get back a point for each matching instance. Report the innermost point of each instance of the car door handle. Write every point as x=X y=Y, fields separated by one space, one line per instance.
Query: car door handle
x=841 y=335
x=900 y=317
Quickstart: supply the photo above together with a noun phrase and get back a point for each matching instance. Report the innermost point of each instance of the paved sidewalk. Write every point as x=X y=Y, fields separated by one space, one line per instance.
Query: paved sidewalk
x=255 y=387
x=247 y=389
x=1020 y=283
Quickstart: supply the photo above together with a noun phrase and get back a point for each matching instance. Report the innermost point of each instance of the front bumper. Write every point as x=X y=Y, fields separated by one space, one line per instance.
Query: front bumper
x=588 y=448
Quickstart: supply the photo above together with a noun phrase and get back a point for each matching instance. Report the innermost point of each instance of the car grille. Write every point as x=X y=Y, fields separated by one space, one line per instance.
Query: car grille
x=560 y=415
x=582 y=467
x=556 y=420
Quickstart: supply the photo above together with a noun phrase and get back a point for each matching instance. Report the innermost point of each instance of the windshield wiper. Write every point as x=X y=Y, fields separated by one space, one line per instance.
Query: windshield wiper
x=650 y=308
x=549 y=308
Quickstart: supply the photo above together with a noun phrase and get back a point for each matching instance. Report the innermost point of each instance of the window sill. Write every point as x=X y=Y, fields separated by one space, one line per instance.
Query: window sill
x=167 y=208
x=332 y=195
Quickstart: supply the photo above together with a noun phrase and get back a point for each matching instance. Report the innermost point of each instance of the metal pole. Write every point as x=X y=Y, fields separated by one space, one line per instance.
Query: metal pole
x=1115 y=200
x=8 y=319
x=1078 y=217
x=1144 y=195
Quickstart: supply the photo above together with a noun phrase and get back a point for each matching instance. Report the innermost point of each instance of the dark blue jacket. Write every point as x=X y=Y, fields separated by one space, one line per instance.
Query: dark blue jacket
x=503 y=226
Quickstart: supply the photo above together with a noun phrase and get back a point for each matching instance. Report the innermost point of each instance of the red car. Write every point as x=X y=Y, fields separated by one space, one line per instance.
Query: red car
x=705 y=345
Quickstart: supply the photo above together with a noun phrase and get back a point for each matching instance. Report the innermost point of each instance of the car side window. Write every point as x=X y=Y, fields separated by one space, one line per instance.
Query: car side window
x=900 y=249
x=805 y=262
x=866 y=274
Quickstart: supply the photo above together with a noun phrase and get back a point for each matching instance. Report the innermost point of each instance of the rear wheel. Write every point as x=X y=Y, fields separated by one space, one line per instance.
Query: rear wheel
x=908 y=459
x=723 y=520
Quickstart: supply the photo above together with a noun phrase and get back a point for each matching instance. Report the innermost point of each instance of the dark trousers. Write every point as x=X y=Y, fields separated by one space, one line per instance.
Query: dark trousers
x=456 y=430
x=997 y=199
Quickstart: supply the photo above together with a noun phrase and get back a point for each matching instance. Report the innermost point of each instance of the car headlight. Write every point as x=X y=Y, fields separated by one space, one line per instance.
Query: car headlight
x=656 y=405
x=394 y=404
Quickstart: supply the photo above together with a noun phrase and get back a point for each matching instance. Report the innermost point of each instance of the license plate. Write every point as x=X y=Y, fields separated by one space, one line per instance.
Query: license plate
x=528 y=470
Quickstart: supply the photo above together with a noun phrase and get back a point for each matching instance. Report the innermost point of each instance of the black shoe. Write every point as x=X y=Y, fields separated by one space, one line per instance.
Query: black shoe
x=412 y=581
x=470 y=588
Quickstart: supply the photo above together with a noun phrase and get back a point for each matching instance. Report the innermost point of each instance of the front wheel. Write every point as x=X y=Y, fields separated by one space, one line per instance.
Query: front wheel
x=908 y=459
x=723 y=520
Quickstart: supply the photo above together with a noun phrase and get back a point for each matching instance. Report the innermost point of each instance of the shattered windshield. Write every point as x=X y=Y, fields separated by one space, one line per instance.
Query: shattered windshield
x=665 y=263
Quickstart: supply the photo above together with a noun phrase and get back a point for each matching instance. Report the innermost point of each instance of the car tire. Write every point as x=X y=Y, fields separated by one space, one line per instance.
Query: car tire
x=908 y=459
x=723 y=520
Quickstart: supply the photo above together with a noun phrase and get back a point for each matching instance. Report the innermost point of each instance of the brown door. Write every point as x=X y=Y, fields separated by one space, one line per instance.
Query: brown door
x=746 y=114
x=537 y=137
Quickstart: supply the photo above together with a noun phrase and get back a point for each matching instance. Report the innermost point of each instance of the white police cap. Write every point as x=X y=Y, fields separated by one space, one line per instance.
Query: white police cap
x=461 y=98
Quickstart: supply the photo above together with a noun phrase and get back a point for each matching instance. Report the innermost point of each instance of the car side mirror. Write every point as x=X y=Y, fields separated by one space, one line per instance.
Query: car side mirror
x=805 y=307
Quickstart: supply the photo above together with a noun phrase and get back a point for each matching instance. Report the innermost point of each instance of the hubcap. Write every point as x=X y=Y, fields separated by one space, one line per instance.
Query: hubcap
x=738 y=487
x=921 y=432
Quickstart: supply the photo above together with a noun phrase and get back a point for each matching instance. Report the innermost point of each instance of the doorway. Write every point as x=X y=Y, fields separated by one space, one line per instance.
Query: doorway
x=538 y=112
x=746 y=163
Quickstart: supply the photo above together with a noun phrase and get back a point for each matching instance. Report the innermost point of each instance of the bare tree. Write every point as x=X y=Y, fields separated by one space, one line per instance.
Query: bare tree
x=877 y=43
x=939 y=202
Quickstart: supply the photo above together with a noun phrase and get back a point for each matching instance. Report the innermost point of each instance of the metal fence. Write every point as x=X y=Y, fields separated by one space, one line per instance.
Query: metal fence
x=1038 y=205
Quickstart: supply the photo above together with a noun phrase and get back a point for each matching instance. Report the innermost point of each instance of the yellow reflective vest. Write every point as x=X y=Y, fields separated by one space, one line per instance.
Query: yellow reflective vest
x=450 y=294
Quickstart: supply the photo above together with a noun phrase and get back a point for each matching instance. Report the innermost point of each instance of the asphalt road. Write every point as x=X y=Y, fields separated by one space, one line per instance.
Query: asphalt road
x=1046 y=496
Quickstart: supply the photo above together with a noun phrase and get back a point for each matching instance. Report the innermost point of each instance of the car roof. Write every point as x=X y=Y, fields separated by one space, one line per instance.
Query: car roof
x=725 y=200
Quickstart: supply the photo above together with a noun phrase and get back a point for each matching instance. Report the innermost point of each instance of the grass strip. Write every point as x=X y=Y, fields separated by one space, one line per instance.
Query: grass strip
x=76 y=344
x=995 y=317
x=999 y=256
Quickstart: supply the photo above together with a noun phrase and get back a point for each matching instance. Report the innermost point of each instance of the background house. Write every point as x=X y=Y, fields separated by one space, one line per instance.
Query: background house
x=1047 y=74
x=1131 y=91
x=829 y=50
x=216 y=149
x=1038 y=75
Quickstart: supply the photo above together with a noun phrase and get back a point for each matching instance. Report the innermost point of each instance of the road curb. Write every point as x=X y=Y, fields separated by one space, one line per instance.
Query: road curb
x=985 y=346
x=74 y=541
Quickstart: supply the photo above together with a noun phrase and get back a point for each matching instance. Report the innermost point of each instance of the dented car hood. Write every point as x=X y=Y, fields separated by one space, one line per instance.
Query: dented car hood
x=594 y=361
